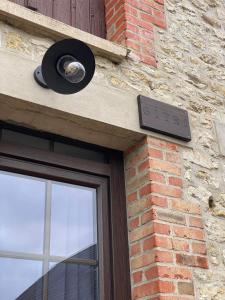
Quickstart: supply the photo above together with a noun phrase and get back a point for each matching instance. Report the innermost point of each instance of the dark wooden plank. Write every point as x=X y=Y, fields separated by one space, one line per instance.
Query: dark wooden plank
x=73 y=12
x=83 y=15
x=87 y=15
x=119 y=227
x=32 y=4
x=45 y=7
x=21 y=2
x=62 y=11
x=97 y=18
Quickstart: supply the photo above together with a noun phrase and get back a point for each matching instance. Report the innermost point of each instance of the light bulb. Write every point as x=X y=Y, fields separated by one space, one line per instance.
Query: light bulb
x=71 y=69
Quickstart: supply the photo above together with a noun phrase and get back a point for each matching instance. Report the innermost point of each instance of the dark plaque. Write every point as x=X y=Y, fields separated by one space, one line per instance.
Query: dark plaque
x=164 y=118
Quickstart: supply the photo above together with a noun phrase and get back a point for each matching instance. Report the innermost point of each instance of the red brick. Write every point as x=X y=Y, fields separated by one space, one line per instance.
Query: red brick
x=199 y=248
x=147 y=17
x=123 y=17
x=142 y=261
x=155 y=153
x=146 y=289
x=189 y=233
x=133 y=45
x=143 y=166
x=138 y=157
x=157 y=241
x=172 y=147
x=148 y=216
x=164 y=190
x=163 y=256
x=116 y=16
x=146 y=190
x=137 y=276
x=196 y=222
x=175 y=181
x=202 y=262
x=156 y=142
x=134 y=223
x=130 y=173
x=160 y=23
x=147 y=50
x=172 y=157
x=157 y=177
x=151 y=257
x=163 y=144
x=152 y=273
x=170 y=272
x=148 y=60
x=166 y=287
x=180 y=245
x=135 y=249
x=165 y=166
x=159 y=201
x=188 y=207
x=174 y=298
x=169 y=216
x=132 y=197
x=141 y=232
x=192 y=260
x=158 y=14
x=154 y=287
x=131 y=10
x=168 y=251
x=138 y=207
x=134 y=29
x=139 y=22
x=161 y=228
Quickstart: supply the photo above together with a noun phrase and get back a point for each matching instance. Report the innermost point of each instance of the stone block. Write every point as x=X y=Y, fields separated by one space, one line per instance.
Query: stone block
x=220 y=130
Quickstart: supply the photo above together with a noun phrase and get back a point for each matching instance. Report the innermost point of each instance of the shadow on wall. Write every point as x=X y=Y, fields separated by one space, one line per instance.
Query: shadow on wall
x=66 y=281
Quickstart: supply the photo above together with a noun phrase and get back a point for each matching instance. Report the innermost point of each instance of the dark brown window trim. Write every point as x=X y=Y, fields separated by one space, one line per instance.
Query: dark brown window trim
x=33 y=162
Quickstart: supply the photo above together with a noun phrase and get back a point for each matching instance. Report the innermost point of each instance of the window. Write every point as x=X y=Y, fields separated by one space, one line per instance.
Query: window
x=87 y=15
x=62 y=217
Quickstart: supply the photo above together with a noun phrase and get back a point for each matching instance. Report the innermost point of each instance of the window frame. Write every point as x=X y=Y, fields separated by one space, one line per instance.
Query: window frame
x=108 y=179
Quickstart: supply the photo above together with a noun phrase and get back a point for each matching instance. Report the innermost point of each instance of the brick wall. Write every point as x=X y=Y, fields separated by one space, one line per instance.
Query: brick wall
x=166 y=233
x=131 y=23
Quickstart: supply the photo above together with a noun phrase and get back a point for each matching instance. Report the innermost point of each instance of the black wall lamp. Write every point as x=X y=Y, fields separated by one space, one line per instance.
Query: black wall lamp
x=67 y=67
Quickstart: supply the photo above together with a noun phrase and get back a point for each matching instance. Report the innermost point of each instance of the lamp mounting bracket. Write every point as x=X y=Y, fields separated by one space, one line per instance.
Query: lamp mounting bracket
x=39 y=77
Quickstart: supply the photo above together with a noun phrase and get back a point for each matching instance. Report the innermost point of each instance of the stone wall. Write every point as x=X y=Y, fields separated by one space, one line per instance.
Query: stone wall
x=190 y=74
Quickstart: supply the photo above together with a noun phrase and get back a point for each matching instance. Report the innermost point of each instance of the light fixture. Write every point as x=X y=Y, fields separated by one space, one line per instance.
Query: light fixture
x=67 y=67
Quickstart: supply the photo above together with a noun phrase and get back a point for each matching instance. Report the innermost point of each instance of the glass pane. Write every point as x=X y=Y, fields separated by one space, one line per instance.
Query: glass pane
x=73 y=221
x=16 y=276
x=22 y=204
x=72 y=281
x=25 y=139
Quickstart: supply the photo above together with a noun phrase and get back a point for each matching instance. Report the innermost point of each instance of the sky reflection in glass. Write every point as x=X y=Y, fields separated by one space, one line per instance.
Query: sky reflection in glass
x=71 y=214
x=22 y=204
x=73 y=219
x=16 y=276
